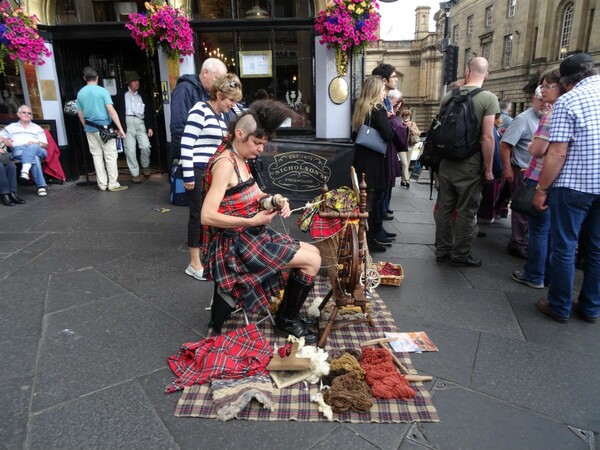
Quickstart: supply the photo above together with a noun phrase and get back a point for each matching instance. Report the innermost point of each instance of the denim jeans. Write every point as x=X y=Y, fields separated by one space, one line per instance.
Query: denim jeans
x=32 y=154
x=569 y=209
x=537 y=267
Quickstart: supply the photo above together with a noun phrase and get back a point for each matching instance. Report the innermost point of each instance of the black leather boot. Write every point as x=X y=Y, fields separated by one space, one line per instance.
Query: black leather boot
x=220 y=311
x=15 y=199
x=287 y=320
x=6 y=200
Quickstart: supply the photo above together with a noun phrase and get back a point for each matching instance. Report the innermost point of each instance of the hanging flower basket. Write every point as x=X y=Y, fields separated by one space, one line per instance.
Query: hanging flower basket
x=162 y=26
x=19 y=39
x=347 y=26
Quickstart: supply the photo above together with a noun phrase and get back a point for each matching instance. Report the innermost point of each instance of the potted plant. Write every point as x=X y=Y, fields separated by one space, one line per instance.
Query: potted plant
x=162 y=26
x=347 y=26
x=19 y=39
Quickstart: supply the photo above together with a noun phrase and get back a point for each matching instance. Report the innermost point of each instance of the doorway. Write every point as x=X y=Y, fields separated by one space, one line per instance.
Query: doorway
x=112 y=58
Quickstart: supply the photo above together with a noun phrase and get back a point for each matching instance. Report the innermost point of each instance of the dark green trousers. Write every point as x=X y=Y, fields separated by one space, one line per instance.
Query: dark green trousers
x=460 y=190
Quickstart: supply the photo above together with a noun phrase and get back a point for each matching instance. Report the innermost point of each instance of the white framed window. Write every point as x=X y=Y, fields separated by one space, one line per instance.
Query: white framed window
x=469 y=25
x=485 y=50
x=512 y=7
x=565 y=32
x=489 y=12
x=455 y=34
x=507 y=56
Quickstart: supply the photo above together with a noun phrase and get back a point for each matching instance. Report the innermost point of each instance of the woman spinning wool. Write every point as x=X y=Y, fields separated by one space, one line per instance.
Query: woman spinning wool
x=243 y=255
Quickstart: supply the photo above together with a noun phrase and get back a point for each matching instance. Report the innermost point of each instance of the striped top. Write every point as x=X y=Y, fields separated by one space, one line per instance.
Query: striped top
x=203 y=133
x=21 y=135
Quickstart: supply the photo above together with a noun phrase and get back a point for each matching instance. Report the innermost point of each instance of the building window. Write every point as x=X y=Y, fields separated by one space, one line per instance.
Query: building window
x=485 y=50
x=455 y=34
x=507 y=51
x=512 y=8
x=567 y=26
x=488 y=16
x=469 y=25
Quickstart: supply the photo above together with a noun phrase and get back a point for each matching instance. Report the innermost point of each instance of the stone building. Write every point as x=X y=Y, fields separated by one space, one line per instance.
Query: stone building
x=418 y=63
x=520 y=38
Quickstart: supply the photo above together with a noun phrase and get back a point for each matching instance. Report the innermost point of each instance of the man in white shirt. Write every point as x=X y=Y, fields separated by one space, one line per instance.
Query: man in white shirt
x=28 y=143
x=134 y=108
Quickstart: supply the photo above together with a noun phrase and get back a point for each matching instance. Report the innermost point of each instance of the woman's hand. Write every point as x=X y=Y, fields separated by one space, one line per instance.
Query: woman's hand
x=189 y=186
x=263 y=217
x=285 y=209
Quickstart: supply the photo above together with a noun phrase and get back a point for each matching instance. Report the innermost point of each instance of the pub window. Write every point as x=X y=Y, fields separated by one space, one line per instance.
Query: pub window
x=276 y=63
x=469 y=25
x=565 y=34
x=11 y=92
x=489 y=12
x=213 y=9
x=507 y=51
x=512 y=8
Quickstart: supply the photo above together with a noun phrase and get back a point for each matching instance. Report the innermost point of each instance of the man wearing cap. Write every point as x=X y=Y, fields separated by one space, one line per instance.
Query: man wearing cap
x=515 y=159
x=570 y=185
x=137 y=117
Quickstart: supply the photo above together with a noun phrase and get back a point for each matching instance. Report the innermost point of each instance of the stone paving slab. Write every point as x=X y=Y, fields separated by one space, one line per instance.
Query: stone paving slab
x=117 y=417
x=100 y=344
x=540 y=378
x=483 y=422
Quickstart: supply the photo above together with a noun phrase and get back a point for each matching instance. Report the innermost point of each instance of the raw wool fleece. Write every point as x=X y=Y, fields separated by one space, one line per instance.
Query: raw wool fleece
x=230 y=397
x=319 y=366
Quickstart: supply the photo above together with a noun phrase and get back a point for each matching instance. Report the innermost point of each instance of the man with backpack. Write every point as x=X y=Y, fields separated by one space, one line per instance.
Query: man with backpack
x=462 y=138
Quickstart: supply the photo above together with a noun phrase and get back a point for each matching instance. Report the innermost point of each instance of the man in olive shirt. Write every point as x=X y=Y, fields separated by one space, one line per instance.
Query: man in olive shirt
x=461 y=181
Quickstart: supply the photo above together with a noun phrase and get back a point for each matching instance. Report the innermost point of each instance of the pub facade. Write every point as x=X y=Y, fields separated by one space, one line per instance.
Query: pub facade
x=270 y=44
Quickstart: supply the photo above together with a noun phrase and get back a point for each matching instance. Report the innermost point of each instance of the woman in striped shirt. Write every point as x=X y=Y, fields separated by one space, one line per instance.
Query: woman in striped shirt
x=204 y=130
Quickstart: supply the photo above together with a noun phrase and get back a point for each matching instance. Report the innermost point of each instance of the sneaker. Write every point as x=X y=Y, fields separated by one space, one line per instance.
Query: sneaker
x=42 y=192
x=24 y=178
x=519 y=277
x=147 y=171
x=118 y=188
x=136 y=179
x=197 y=274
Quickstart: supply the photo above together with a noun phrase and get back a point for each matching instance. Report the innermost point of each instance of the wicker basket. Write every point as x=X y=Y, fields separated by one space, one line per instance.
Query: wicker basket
x=391 y=280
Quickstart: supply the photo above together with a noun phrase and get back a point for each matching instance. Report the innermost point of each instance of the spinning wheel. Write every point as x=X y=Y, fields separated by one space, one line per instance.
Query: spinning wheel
x=353 y=281
x=348 y=261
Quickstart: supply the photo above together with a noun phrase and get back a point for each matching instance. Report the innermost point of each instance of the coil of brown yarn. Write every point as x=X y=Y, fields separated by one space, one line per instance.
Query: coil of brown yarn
x=382 y=376
x=348 y=363
x=348 y=393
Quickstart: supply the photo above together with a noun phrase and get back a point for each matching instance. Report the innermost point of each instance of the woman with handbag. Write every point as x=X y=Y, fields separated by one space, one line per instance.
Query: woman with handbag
x=370 y=111
x=535 y=272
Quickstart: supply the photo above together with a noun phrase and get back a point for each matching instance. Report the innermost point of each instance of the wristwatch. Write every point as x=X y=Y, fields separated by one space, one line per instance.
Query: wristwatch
x=539 y=188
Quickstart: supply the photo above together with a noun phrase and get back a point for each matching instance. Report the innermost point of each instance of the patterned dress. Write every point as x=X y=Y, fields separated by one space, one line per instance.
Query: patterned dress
x=245 y=263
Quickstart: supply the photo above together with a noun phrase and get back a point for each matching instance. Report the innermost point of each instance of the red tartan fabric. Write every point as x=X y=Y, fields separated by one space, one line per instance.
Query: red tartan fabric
x=246 y=263
x=244 y=352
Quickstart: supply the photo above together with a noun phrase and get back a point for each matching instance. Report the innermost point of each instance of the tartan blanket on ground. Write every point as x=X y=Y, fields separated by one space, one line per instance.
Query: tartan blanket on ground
x=293 y=403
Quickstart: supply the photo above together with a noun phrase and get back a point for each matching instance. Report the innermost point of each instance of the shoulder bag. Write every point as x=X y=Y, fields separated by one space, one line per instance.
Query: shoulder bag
x=370 y=138
x=522 y=201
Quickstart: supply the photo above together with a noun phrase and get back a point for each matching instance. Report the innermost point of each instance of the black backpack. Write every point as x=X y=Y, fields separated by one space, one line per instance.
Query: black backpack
x=453 y=133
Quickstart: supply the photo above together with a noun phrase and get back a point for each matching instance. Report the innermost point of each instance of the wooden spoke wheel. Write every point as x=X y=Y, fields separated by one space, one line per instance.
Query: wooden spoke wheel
x=370 y=279
x=348 y=260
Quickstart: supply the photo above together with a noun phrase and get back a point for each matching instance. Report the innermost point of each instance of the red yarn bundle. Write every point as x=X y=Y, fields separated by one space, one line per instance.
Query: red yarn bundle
x=382 y=376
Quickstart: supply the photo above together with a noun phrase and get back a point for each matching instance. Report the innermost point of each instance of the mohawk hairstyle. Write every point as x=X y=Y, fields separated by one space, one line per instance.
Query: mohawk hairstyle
x=268 y=115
